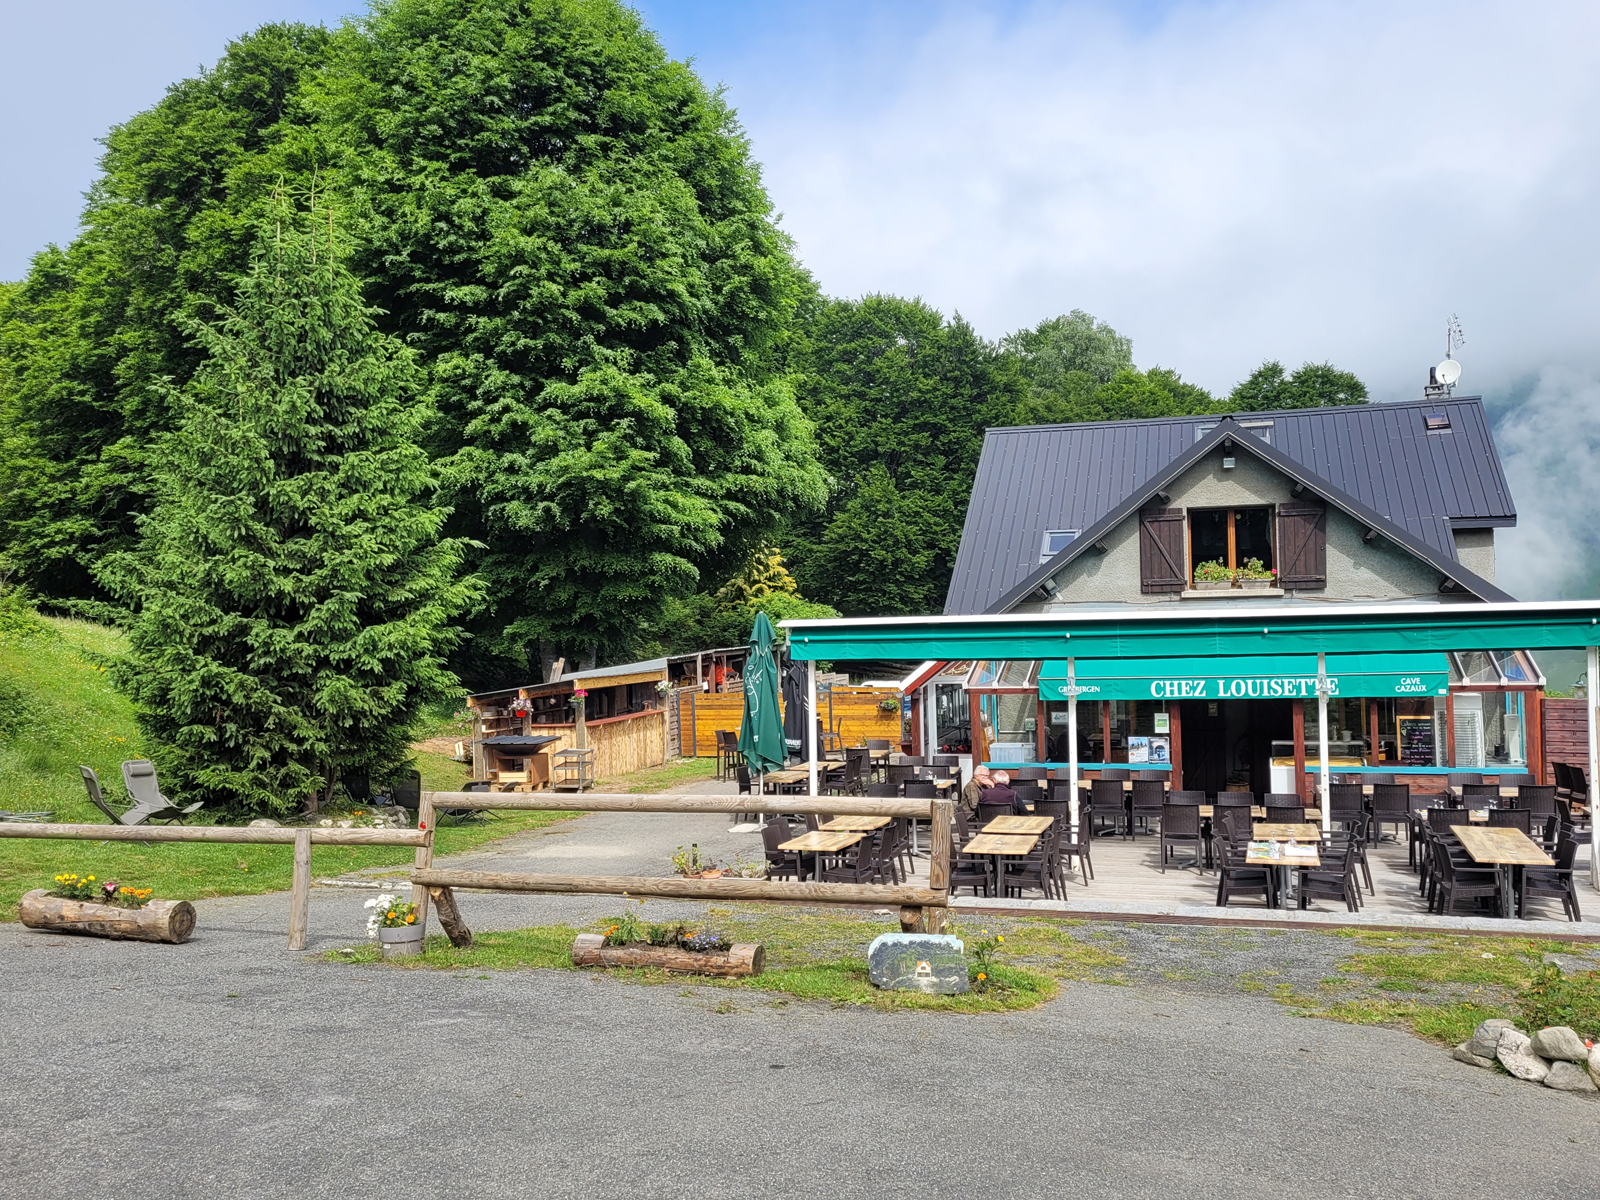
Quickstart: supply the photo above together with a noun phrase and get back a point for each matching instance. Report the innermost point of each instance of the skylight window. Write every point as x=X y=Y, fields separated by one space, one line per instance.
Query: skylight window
x=1436 y=422
x=1055 y=541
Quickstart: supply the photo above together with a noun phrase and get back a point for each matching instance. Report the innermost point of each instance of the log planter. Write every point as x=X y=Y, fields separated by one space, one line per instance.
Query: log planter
x=746 y=958
x=157 y=921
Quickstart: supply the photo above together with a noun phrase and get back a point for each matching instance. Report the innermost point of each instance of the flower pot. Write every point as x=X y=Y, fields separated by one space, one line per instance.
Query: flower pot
x=1212 y=585
x=1257 y=583
x=158 y=921
x=402 y=941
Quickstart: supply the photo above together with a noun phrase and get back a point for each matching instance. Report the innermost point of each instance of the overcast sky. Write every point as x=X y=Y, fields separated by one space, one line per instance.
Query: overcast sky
x=1223 y=182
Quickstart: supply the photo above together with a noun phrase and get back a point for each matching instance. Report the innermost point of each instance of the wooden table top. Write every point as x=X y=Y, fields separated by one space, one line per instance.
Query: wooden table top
x=1502 y=846
x=854 y=824
x=1285 y=833
x=825 y=842
x=1260 y=853
x=1016 y=824
x=1000 y=843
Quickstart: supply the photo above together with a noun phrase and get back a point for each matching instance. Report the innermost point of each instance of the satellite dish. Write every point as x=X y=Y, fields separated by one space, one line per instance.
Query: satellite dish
x=1448 y=372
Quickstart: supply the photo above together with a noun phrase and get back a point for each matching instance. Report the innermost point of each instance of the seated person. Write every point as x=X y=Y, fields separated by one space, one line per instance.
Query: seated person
x=1001 y=793
x=980 y=782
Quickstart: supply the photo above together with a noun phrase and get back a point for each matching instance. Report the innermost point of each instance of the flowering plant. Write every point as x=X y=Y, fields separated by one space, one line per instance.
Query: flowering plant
x=389 y=912
x=1214 y=571
x=983 y=954
x=71 y=886
x=579 y=693
x=1253 y=569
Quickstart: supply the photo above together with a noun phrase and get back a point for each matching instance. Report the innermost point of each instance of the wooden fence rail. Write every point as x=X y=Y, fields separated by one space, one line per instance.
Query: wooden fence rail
x=920 y=908
x=302 y=839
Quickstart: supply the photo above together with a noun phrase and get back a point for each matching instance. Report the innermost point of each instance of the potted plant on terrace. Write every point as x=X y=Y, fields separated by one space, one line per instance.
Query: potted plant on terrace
x=1212 y=576
x=1254 y=575
x=627 y=942
x=394 y=923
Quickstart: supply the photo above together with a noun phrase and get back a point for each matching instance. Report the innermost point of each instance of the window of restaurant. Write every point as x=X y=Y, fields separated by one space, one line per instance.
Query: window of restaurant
x=1230 y=536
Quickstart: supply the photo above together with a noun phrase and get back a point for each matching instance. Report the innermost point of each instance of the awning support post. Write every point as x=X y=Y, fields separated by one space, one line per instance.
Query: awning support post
x=811 y=725
x=930 y=719
x=1593 y=654
x=1072 y=740
x=1326 y=801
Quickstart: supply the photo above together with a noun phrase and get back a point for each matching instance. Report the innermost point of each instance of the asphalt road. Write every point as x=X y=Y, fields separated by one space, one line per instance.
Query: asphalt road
x=229 y=1067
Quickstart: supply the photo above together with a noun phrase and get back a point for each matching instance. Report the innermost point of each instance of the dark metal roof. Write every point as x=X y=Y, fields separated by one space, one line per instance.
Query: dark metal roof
x=1381 y=456
x=517 y=741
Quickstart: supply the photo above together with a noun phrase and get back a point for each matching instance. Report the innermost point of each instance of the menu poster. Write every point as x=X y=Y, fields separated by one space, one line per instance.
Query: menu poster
x=1416 y=741
x=1149 y=749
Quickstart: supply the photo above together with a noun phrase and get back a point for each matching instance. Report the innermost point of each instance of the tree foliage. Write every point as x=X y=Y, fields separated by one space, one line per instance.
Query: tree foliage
x=1314 y=385
x=293 y=597
x=88 y=337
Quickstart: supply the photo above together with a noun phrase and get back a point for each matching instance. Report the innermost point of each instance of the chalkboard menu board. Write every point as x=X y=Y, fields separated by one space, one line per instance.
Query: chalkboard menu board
x=1416 y=741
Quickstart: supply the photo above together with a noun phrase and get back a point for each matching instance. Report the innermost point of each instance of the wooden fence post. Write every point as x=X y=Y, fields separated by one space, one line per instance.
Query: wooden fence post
x=300 y=893
x=943 y=816
x=424 y=859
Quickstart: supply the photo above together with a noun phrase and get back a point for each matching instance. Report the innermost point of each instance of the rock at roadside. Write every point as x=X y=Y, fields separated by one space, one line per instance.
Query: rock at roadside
x=1516 y=1055
x=1594 y=1064
x=918 y=962
x=264 y=823
x=1463 y=1053
x=1486 y=1037
x=1558 y=1041
x=1569 y=1077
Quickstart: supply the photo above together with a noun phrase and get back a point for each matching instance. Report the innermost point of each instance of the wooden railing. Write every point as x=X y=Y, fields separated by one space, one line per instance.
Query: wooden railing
x=301 y=839
x=920 y=907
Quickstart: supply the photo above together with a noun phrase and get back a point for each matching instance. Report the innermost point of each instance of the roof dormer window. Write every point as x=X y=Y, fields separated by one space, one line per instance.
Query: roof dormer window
x=1055 y=541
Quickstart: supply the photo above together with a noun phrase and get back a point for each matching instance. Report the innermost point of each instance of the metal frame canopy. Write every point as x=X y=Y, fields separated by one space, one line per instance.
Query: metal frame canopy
x=1203 y=632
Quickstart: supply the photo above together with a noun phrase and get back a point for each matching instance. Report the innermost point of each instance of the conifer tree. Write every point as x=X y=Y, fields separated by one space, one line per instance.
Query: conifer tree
x=293 y=596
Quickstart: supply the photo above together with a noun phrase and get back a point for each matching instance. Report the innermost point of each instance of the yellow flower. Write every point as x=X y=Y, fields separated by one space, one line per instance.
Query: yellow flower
x=411 y=918
x=90 y=879
x=391 y=915
x=981 y=975
x=1000 y=937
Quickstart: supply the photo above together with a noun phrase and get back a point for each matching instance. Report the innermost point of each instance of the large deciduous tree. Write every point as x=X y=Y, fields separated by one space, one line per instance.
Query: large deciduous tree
x=1314 y=385
x=900 y=398
x=293 y=597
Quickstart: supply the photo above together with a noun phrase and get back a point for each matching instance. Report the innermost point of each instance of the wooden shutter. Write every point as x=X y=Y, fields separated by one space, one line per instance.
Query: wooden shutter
x=1161 y=555
x=1302 y=545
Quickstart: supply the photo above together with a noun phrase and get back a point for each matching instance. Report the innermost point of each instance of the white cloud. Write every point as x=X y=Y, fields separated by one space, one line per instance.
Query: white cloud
x=1550 y=445
x=1233 y=182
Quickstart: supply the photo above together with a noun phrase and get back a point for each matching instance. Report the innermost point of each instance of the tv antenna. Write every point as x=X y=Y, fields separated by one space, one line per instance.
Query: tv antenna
x=1442 y=379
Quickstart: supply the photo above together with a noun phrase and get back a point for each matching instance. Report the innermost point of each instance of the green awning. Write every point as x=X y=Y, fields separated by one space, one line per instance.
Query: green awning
x=1251 y=677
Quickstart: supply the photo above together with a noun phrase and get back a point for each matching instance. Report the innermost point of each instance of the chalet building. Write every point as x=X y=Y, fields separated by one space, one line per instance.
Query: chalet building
x=1274 y=510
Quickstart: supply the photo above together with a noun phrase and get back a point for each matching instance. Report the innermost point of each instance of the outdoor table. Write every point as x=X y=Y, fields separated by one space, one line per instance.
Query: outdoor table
x=1287 y=833
x=817 y=843
x=1260 y=854
x=1000 y=845
x=1508 y=849
x=1015 y=824
x=1257 y=811
x=801 y=773
x=853 y=824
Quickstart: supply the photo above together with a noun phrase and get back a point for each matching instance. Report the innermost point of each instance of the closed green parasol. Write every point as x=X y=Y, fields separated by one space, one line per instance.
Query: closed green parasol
x=761 y=731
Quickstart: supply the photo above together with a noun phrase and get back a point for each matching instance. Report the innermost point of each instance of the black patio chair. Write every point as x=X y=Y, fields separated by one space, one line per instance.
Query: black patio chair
x=1335 y=877
x=1538 y=799
x=1109 y=802
x=1180 y=826
x=1554 y=881
x=1511 y=818
x=1285 y=814
x=1146 y=801
x=1516 y=779
x=1457 y=882
x=1391 y=805
x=781 y=864
x=989 y=811
x=1462 y=778
x=1236 y=876
x=1119 y=774
x=1480 y=795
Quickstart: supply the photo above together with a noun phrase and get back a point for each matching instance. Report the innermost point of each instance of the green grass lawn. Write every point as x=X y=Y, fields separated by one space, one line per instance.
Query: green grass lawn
x=811 y=955
x=61 y=710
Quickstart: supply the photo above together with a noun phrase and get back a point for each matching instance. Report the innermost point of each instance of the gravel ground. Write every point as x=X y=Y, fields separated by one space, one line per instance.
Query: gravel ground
x=229 y=1067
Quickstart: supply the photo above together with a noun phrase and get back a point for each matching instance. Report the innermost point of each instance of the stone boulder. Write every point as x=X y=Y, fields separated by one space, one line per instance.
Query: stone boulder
x=264 y=823
x=1594 y=1064
x=918 y=962
x=1558 y=1041
x=1463 y=1053
x=1516 y=1055
x=1486 y=1037
x=1569 y=1077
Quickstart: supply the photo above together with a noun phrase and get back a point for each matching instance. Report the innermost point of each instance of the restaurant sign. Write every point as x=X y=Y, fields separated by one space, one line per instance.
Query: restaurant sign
x=1263 y=677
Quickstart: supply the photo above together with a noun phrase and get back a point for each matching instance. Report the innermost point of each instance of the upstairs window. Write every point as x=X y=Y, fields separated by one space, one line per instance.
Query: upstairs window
x=1231 y=537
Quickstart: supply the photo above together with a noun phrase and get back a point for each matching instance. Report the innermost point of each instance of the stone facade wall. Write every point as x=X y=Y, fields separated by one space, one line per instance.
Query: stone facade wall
x=1475 y=551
